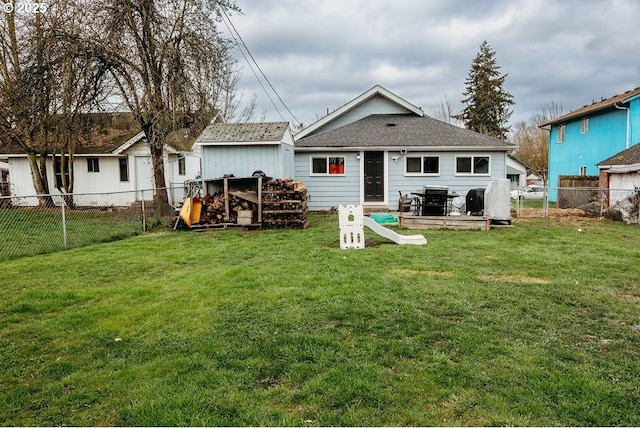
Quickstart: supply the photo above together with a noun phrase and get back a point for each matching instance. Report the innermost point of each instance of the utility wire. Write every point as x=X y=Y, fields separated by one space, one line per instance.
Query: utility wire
x=254 y=73
x=236 y=35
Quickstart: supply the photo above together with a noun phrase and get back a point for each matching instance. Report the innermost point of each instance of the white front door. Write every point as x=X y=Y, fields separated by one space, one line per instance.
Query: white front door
x=144 y=178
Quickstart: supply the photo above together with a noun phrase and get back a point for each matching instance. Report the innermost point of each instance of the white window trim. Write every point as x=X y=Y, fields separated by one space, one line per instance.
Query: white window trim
x=326 y=174
x=562 y=132
x=471 y=174
x=584 y=125
x=421 y=174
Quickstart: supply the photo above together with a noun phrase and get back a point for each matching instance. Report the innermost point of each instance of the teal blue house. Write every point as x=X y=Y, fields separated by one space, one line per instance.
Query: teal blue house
x=581 y=139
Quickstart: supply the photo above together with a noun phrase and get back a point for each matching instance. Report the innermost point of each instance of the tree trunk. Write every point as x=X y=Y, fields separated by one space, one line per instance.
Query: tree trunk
x=39 y=177
x=160 y=197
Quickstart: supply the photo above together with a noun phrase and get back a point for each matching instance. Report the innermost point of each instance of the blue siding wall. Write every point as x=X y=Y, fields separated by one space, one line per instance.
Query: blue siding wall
x=398 y=181
x=635 y=122
x=330 y=191
x=325 y=192
x=242 y=161
x=606 y=137
x=375 y=105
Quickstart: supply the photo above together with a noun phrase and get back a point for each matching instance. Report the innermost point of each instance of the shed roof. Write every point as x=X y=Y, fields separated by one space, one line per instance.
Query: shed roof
x=594 y=107
x=243 y=132
x=400 y=130
x=629 y=156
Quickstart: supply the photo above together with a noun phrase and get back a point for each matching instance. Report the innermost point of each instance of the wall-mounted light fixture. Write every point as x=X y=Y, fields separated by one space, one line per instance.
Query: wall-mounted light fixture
x=358 y=156
x=395 y=158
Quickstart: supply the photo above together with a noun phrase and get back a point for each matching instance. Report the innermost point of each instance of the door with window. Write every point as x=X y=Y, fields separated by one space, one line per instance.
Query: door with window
x=374 y=176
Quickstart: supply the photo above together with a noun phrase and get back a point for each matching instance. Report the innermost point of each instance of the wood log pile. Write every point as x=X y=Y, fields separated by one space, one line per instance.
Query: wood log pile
x=284 y=204
x=254 y=202
x=214 y=208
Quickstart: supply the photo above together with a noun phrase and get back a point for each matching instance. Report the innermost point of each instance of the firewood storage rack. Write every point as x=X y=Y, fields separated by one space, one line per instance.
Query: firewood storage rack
x=250 y=202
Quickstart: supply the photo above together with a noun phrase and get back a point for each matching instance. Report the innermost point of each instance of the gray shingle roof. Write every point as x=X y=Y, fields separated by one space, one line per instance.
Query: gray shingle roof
x=399 y=130
x=594 y=107
x=629 y=156
x=243 y=132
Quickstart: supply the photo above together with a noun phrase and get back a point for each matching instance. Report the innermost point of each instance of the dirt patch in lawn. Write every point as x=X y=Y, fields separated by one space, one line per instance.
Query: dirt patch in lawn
x=513 y=278
x=411 y=272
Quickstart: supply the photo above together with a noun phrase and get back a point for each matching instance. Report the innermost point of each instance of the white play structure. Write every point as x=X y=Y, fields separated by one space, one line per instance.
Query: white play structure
x=352 y=222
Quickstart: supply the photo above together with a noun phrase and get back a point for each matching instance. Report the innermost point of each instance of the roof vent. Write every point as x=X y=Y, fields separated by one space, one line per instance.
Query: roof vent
x=391 y=124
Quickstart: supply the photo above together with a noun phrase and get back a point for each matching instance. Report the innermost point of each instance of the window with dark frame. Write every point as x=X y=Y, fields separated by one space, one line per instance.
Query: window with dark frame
x=124 y=169
x=182 y=166
x=93 y=165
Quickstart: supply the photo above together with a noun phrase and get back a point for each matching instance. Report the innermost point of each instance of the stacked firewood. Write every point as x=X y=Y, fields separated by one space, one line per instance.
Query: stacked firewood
x=279 y=185
x=284 y=204
x=214 y=210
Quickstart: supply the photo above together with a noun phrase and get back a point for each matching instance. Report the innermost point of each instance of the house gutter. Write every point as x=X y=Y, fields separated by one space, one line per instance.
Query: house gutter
x=409 y=149
x=628 y=121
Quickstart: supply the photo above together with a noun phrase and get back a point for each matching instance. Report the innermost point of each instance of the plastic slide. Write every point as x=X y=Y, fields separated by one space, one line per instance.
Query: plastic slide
x=395 y=237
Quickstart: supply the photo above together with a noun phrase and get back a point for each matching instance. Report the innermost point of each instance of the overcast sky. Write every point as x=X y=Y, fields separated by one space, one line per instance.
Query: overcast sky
x=320 y=54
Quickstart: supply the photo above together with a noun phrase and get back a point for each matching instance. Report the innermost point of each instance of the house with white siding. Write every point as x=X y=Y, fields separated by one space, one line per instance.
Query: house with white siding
x=379 y=145
x=102 y=166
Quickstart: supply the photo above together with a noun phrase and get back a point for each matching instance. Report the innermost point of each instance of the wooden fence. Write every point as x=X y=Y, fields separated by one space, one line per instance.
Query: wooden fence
x=575 y=191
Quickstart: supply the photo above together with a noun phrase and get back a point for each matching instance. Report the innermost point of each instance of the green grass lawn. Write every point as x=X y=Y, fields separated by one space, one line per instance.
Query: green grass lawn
x=532 y=325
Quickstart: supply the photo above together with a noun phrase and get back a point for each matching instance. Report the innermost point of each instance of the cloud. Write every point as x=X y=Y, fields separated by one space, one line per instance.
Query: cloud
x=321 y=54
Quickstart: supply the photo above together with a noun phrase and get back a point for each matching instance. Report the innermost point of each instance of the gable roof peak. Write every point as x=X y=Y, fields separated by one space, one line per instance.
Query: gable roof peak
x=376 y=90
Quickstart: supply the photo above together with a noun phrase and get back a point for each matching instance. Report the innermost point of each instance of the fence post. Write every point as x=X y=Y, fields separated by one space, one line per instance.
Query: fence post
x=64 y=224
x=144 y=219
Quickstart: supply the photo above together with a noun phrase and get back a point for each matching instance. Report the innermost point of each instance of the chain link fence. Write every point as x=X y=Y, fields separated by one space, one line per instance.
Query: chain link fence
x=41 y=224
x=615 y=204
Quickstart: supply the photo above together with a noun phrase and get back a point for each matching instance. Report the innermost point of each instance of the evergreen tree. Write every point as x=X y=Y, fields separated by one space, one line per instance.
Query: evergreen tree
x=487 y=103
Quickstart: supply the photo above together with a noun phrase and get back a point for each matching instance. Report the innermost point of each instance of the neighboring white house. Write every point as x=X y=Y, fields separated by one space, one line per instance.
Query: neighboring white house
x=4 y=178
x=244 y=148
x=379 y=145
x=100 y=170
x=516 y=172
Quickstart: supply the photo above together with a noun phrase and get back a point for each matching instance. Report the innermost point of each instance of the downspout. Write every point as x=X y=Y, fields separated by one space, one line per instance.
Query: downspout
x=628 y=121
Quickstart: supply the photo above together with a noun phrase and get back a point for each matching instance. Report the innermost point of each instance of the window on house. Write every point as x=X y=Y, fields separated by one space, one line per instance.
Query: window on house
x=182 y=165
x=58 y=170
x=472 y=165
x=422 y=165
x=124 y=169
x=583 y=170
x=329 y=165
x=562 y=131
x=585 y=125
x=93 y=165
